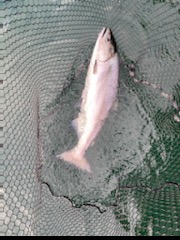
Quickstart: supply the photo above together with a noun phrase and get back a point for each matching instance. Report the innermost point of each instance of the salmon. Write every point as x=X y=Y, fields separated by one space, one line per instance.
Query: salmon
x=98 y=98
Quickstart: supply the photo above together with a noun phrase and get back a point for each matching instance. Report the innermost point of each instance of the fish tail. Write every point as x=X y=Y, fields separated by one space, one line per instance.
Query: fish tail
x=75 y=158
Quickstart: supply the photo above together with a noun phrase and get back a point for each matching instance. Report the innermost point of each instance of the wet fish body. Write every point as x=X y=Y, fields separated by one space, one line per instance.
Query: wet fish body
x=98 y=98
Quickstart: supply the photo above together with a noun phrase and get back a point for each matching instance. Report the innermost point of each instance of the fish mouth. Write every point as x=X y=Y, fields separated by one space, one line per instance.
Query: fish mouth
x=108 y=36
x=106 y=33
x=105 y=29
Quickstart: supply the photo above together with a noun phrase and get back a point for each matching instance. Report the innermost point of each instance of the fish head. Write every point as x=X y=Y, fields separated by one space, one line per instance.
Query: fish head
x=105 y=45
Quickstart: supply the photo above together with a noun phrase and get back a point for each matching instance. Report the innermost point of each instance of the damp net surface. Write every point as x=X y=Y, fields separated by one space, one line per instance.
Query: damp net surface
x=134 y=189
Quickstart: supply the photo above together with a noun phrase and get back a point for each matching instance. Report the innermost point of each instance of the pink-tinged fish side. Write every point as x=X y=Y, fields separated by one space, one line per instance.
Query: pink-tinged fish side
x=98 y=98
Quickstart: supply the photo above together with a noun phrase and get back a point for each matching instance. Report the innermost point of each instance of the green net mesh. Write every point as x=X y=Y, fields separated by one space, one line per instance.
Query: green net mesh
x=134 y=189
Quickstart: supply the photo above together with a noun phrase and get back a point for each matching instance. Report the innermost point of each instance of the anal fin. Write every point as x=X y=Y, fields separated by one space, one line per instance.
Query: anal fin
x=75 y=125
x=78 y=103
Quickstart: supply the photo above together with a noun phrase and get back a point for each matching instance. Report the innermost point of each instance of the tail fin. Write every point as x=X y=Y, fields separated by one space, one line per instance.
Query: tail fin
x=73 y=157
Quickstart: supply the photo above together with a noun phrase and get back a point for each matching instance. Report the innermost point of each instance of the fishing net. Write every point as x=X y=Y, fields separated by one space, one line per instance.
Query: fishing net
x=134 y=188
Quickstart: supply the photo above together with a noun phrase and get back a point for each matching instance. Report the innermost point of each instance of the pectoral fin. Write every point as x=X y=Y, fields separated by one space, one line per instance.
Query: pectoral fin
x=92 y=144
x=115 y=106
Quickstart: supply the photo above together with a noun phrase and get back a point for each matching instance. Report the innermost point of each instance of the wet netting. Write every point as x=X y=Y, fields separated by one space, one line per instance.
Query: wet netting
x=134 y=188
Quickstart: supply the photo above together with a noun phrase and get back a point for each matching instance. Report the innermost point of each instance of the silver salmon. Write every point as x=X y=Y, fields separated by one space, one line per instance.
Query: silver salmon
x=98 y=98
